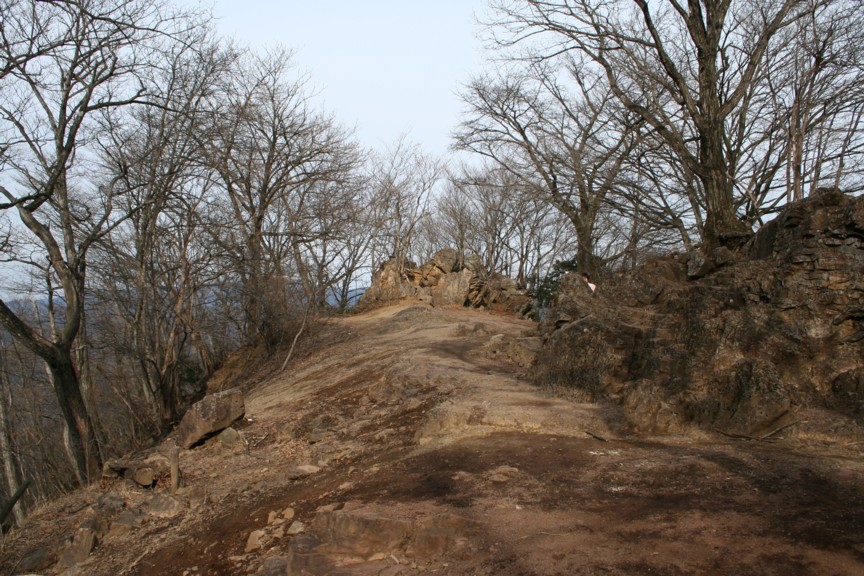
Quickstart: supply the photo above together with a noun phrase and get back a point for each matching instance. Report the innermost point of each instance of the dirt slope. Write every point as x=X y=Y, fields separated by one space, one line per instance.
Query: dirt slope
x=414 y=446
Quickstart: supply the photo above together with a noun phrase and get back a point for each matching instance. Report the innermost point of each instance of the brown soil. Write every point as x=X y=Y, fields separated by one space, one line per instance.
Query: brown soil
x=437 y=457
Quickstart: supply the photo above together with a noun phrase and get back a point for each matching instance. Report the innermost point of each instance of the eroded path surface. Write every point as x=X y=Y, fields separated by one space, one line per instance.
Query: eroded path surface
x=416 y=446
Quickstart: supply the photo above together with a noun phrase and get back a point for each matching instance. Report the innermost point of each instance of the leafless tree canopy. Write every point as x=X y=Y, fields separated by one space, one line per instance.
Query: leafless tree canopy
x=71 y=68
x=732 y=107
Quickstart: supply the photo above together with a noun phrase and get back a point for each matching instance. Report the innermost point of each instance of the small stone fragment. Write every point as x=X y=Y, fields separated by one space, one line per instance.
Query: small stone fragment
x=297 y=472
x=230 y=438
x=296 y=527
x=255 y=541
x=79 y=548
x=109 y=504
x=125 y=522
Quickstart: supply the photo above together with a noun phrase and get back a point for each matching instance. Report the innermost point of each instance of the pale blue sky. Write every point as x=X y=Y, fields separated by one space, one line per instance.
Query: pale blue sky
x=383 y=66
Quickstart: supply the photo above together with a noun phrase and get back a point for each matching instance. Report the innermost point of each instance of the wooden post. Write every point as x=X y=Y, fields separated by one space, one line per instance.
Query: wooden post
x=174 y=459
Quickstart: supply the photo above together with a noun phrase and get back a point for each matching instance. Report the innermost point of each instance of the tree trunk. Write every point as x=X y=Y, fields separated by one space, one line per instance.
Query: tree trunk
x=259 y=329
x=79 y=435
x=722 y=225
x=586 y=260
x=9 y=506
x=168 y=401
x=7 y=450
x=85 y=382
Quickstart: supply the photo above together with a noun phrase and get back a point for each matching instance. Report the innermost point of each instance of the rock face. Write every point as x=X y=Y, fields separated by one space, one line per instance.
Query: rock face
x=734 y=342
x=447 y=279
x=211 y=415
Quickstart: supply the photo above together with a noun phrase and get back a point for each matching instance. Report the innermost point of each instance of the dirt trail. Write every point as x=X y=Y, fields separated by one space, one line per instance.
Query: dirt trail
x=415 y=446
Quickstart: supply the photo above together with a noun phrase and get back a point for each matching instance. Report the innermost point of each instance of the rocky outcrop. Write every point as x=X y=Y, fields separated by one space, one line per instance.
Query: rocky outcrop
x=735 y=342
x=447 y=279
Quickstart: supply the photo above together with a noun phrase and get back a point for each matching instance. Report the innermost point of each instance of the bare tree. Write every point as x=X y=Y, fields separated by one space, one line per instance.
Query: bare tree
x=89 y=63
x=33 y=423
x=156 y=262
x=272 y=153
x=564 y=145
x=456 y=219
x=329 y=239
x=8 y=453
x=403 y=179
x=684 y=69
x=822 y=95
x=484 y=211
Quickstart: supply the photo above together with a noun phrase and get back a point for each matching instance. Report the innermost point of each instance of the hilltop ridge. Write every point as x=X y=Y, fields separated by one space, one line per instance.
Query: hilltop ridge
x=413 y=444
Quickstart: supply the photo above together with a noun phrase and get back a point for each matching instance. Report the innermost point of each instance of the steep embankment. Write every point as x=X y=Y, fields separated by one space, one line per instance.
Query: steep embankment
x=415 y=446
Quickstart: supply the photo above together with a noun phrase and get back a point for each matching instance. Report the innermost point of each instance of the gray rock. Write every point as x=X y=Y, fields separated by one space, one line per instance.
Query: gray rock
x=698 y=265
x=752 y=397
x=452 y=288
x=729 y=345
x=447 y=279
x=142 y=470
x=125 y=522
x=474 y=263
x=144 y=477
x=37 y=559
x=230 y=438
x=109 y=504
x=132 y=518
x=296 y=527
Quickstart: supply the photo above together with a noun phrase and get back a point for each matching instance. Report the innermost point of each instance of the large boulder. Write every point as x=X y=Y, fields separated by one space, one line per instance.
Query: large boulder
x=484 y=291
x=211 y=415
